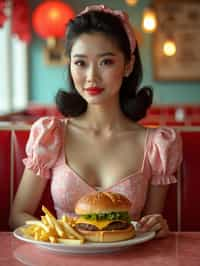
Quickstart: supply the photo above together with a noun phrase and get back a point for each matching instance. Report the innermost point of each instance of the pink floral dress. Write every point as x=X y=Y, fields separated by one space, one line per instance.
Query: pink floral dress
x=46 y=157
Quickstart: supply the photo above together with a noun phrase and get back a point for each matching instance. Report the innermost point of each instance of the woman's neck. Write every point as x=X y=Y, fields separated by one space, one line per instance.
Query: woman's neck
x=104 y=118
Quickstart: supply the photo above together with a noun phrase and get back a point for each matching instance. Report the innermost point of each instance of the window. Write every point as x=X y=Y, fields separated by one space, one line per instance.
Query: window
x=13 y=71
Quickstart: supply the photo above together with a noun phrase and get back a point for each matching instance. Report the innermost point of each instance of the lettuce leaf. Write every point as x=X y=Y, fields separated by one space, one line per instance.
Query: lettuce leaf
x=108 y=216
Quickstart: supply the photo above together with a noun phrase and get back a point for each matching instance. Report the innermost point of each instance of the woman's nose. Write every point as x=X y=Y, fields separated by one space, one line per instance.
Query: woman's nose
x=92 y=74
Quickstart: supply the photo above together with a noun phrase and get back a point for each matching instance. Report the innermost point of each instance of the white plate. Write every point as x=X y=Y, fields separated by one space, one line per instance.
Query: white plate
x=87 y=247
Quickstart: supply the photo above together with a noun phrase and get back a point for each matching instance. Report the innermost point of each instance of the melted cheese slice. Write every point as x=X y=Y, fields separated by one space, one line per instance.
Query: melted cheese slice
x=99 y=224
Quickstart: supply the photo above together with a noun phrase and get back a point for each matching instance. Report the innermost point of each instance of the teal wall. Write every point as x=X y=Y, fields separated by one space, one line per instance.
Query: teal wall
x=46 y=80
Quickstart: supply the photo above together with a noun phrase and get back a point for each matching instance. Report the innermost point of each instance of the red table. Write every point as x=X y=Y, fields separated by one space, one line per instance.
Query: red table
x=179 y=249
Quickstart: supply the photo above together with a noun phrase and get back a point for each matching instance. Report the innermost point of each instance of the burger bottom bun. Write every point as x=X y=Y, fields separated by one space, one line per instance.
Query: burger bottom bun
x=108 y=236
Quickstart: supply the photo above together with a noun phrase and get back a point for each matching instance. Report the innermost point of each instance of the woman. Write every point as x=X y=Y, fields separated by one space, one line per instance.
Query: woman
x=100 y=145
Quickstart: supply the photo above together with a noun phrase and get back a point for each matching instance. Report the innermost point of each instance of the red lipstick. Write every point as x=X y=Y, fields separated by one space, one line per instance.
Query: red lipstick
x=94 y=90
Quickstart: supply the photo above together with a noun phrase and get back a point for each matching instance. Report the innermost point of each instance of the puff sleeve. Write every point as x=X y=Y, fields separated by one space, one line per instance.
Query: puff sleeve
x=165 y=155
x=43 y=146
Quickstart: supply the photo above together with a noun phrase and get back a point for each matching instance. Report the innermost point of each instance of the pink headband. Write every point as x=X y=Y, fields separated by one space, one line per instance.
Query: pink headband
x=121 y=15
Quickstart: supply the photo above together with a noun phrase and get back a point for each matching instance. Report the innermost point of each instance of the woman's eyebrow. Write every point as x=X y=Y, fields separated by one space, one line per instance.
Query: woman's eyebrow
x=79 y=55
x=98 y=55
x=106 y=54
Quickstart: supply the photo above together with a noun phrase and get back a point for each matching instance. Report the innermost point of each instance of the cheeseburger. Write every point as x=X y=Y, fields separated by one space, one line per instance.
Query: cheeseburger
x=103 y=217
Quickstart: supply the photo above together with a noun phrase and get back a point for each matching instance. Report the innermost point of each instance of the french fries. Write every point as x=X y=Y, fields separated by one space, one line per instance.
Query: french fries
x=49 y=229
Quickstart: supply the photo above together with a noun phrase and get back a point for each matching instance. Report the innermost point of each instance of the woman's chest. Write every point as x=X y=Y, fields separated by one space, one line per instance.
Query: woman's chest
x=104 y=161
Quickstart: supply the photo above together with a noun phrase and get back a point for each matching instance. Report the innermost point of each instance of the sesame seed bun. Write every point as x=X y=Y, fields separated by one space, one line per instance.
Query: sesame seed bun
x=102 y=202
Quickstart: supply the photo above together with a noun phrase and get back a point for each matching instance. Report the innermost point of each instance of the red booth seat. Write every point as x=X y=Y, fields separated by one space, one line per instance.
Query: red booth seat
x=5 y=173
x=171 y=207
x=190 y=183
x=174 y=123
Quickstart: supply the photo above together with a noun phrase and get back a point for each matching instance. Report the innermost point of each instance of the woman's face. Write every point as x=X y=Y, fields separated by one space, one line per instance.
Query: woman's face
x=97 y=67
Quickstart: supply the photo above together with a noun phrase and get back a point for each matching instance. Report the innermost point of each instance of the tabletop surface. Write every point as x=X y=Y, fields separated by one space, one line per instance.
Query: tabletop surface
x=181 y=249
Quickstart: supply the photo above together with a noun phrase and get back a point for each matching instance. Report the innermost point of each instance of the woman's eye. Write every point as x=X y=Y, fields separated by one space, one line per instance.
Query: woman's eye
x=80 y=63
x=107 y=62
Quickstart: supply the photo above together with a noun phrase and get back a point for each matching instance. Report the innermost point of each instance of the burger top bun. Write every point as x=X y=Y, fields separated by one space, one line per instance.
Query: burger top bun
x=102 y=202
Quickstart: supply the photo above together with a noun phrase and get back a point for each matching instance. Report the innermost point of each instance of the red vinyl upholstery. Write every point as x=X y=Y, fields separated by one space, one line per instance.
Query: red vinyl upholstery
x=195 y=122
x=171 y=211
x=190 y=190
x=174 y=123
x=5 y=172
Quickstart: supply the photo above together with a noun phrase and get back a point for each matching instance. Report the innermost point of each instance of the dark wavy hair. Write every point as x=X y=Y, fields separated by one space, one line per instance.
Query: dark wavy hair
x=134 y=101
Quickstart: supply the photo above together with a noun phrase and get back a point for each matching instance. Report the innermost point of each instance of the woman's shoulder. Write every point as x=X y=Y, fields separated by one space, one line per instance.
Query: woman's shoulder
x=46 y=130
x=164 y=150
x=49 y=125
x=44 y=145
x=164 y=134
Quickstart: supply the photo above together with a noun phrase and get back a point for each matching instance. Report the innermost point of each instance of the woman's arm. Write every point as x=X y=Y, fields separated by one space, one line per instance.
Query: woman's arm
x=152 y=219
x=27 y=198
x=155 y=199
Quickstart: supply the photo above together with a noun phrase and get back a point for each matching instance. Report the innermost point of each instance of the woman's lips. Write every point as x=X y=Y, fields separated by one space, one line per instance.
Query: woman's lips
x=94 y=90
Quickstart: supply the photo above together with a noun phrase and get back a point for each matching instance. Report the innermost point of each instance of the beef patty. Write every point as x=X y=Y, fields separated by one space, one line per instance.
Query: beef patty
x=112 y=226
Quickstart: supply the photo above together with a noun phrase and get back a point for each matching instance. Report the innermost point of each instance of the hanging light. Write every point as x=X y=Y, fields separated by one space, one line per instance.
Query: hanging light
x=169 y=47
x=149 y=21
x=50 y=19
x=131 y=2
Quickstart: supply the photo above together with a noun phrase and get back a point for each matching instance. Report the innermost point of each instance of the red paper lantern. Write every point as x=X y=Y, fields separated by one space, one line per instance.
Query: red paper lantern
x=2 y=14
x=20 y=22
x=50 y=19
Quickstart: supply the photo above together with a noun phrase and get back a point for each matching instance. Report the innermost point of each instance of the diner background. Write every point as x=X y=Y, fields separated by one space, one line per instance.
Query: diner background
x=45 y=80
x=28 y=83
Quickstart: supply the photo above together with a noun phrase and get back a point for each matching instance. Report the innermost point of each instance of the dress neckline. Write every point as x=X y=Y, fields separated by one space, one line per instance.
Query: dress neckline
x=122 y=179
